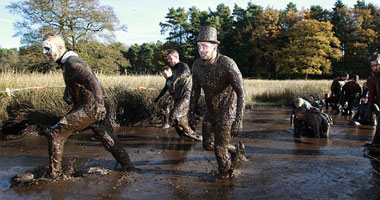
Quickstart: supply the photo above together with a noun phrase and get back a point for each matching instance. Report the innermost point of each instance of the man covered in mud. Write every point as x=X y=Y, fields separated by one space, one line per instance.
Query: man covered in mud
x=178 y=115
x=351 y=92
x=363 y=116
x=336 y=89
x=317 y=124
x=374 y=102
x=90 y=106
x=167 y=104
x=221 y=81
x=298 y=125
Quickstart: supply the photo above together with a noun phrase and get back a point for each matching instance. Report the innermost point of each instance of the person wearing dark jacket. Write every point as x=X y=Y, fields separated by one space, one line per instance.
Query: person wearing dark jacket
x=168 y=102
x=336 y=90
x=178 y=115
x=364 y=115
x=351 y=92
x=374 y=101
x=90 y=107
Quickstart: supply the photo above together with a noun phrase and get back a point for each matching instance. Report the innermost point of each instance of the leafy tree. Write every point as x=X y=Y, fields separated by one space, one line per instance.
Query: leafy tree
x=74 y=20
x=310 y=50
x=143 y=60
x=177 y=25
x=361 y=42
x=31 y=59
x=104 y=58
x=289 y=17
x=318 y=13
x=263 y=41
x=8 y=59
x=291 y=6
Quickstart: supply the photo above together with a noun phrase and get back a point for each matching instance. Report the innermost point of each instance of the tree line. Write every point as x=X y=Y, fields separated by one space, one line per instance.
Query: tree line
x=264 y=42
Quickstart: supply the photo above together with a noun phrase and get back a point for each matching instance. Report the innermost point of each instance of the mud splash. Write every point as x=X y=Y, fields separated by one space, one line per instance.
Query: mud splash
x=279 y=166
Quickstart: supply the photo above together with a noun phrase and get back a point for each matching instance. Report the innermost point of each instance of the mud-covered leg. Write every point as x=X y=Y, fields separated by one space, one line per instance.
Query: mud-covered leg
x=178 y=117
x=183 y=123
x=222 y=140
x=56 y=144
x=76 y=119
x=104 y=132
x=165 y=112
x=208 y=134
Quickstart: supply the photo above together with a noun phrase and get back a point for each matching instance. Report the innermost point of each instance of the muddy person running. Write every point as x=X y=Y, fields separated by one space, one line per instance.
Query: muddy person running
x=90 y=106
x=220 y=79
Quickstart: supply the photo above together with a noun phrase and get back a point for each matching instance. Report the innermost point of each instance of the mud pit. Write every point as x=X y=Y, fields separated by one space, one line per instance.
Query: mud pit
x=279 y=166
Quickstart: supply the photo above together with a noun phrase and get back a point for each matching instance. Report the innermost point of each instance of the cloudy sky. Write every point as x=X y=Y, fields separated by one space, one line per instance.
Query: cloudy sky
x=143 y=17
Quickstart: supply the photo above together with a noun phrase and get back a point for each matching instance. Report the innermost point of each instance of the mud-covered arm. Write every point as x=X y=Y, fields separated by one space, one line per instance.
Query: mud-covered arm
x=194 y=97
x=67 y=97
x=182 y=72
x=357 y=114
x=163 y=91
x=371 y=84
x=87 y=78
x=314 y=124
x=292 y=115
x=236 y=80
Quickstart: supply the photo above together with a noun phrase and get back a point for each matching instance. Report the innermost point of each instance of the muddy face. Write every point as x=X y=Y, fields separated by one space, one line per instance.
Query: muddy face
x=207 y=50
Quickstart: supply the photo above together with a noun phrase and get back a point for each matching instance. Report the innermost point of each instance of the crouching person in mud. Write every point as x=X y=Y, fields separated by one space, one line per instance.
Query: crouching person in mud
x=364 y=115
x=317 y=124
x=178 y=115
x=90 y=106
x=167 y=103
x=221 y=81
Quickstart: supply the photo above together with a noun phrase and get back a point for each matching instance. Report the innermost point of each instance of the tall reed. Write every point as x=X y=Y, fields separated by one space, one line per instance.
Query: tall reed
x=134 y=94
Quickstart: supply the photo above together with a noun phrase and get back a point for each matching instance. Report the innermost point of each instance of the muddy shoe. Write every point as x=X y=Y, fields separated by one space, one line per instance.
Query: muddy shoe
x=239 y=155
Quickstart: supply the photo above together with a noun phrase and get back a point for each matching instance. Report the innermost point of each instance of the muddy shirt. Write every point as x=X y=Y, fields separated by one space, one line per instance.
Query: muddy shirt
x=82 y=86
x=351 y=88
x=181 y=80
x=223 y=87
x=373 y=90
x=336 y=86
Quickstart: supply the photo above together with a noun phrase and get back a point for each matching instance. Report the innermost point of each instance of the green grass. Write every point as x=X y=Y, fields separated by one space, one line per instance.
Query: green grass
x=133 y=105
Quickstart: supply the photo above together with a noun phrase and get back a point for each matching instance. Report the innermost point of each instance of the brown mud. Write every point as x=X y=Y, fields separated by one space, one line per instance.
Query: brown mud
x=279 y=166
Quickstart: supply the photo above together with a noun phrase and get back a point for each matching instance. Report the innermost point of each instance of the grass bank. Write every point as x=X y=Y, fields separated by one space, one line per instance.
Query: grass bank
x=133 y=104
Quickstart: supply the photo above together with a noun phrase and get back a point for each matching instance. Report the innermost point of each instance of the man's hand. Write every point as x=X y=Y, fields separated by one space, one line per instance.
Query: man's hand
x=67 y=97
x=237 y=128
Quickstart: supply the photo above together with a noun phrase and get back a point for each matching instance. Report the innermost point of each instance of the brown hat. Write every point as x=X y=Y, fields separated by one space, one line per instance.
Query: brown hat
x=208 y=34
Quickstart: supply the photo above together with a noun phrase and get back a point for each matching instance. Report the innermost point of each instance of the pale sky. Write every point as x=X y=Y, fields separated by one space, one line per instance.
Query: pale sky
x=144 y=16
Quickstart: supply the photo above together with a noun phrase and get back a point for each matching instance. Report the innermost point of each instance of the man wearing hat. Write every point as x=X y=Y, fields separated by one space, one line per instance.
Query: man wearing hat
x=225 y=96
x=374 y=102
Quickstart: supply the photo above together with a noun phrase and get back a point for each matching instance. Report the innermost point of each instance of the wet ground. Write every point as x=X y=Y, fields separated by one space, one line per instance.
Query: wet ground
x=279 y=166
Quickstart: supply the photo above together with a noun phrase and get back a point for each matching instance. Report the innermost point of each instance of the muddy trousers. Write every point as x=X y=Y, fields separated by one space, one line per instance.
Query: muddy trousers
x=376 y=137
x=217 y=137
x=179 y=119
x=76 y=120
x=165 y=110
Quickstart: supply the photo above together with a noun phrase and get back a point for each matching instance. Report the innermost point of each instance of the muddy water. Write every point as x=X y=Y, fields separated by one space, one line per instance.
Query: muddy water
x=279 y=166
